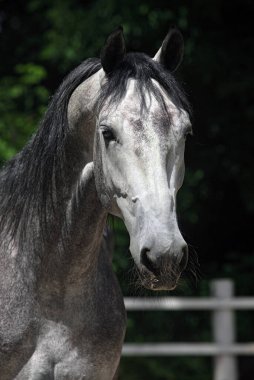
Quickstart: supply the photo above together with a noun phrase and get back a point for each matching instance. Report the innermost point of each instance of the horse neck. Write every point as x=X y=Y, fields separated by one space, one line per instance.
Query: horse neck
x=86 y=216
x=71 y=268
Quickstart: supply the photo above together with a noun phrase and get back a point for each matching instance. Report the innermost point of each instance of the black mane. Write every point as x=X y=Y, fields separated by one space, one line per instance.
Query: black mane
x=32 y=182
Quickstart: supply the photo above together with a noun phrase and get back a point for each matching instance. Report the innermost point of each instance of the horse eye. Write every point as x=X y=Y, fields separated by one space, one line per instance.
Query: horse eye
x=108 y=135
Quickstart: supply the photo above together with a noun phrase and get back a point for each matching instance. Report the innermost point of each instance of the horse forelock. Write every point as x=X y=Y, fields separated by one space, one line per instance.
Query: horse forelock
x=150 y=76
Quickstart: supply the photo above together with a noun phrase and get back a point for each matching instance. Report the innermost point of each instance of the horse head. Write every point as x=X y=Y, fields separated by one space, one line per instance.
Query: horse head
x=141 y=120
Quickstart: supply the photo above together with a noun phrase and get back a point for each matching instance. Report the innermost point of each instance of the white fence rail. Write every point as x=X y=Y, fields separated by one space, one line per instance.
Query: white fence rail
x=222 y=303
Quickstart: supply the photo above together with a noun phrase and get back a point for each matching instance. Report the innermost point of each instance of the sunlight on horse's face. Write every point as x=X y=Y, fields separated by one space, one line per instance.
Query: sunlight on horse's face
x=142 y=158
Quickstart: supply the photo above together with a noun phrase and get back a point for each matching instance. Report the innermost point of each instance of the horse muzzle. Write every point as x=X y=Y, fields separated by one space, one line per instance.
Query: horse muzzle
x=162 y=271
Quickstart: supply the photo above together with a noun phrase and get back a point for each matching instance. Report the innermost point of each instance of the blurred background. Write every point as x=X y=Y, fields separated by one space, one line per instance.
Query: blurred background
x=42 y=40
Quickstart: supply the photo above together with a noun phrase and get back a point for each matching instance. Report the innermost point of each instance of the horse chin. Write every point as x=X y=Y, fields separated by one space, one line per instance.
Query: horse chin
x=159 y=283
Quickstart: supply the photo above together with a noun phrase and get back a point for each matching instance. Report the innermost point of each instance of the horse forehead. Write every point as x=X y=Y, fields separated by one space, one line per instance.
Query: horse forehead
x=154 y=124
x=157 y=111
x=155 y=121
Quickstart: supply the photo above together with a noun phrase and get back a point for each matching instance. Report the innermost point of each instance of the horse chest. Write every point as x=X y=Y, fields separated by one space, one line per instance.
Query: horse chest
x=83 y=337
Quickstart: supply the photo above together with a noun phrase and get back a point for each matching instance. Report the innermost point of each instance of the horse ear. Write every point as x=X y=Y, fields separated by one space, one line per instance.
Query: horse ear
x=113 y=51
x=171 y=52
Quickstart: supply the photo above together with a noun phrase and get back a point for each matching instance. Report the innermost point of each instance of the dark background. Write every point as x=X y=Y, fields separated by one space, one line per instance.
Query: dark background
x=42 y=40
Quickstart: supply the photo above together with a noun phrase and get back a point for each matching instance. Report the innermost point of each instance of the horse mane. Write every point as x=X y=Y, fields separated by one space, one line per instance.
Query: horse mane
x=31 y=182
x=34 y=182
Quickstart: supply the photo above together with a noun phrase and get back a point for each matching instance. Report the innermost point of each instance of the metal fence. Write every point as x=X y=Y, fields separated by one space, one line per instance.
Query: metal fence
x=222 y=304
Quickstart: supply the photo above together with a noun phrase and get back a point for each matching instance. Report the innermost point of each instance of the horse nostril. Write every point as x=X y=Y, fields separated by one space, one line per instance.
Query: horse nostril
x=184 y=258
x=147 y=262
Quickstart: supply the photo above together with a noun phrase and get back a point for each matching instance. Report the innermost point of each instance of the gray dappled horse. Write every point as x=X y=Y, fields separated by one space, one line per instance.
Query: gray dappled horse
x=112 y=141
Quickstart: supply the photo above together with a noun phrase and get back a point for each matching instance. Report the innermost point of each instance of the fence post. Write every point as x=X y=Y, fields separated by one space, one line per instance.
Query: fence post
x=223 y=324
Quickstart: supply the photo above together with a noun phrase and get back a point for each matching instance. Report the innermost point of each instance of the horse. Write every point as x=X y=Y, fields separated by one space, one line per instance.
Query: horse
x=111 y=142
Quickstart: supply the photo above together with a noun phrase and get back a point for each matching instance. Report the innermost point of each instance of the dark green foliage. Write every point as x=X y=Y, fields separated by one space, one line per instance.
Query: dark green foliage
x=42 y=40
